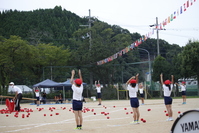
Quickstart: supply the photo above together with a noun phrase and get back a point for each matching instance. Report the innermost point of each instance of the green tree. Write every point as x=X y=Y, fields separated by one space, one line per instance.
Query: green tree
x=14 y=55
x=190 y=60
x=161 y=65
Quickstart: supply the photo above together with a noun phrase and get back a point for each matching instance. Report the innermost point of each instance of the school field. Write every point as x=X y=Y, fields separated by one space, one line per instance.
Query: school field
x=110 y=117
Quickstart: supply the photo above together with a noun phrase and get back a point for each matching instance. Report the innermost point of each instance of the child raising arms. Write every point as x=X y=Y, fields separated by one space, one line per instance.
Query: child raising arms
x=77 y=104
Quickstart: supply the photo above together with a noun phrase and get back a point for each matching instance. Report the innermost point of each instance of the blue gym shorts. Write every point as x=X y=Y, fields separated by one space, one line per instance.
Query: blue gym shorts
x=183 y=92
x=134 y=102
x=98 y=95
x=77 y=105
x=37 y=98
x=142 y=95
x=168 y=100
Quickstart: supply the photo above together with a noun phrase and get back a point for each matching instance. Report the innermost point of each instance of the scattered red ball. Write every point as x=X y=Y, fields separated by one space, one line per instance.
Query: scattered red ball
x=178 y=112
x=108 y=117
x=149 y=109
x=167 y=114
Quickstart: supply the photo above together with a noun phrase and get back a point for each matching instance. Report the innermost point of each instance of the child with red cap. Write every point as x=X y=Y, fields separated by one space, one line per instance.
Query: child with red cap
x=132 y=87
x=167 y=87
x=183 y=90
x=98 y=88
x=77 y=104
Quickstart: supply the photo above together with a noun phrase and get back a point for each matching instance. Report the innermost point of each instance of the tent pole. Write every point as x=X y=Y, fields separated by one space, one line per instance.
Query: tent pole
x=64 y=94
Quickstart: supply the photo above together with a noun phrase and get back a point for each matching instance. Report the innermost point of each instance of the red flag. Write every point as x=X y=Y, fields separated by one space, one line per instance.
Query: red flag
x=165 y=22
x=185 y=7
x=191 y=2
x=187 y=3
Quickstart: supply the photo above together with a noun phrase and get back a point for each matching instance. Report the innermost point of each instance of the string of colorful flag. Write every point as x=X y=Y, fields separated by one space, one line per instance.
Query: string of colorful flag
x=160 y=26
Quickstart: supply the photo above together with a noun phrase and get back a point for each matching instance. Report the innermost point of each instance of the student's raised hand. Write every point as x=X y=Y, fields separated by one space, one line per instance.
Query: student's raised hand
x=161 y=75
x=79 y=71
x=73 y=72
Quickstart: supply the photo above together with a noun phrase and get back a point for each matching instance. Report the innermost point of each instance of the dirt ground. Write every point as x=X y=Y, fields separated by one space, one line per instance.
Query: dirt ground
x=62 y=119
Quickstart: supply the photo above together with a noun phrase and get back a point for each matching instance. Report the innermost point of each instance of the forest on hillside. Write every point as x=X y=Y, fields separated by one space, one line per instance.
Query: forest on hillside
x=49 y=43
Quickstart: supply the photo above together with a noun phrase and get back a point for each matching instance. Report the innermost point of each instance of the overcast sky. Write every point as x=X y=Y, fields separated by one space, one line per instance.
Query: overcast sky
x=134 y=15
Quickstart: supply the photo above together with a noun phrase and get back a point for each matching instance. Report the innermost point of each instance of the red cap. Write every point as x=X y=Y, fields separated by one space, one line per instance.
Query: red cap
x=98 y=84
x=78 y=81
x=183 y=82
x=167 y=82
x=133 y=81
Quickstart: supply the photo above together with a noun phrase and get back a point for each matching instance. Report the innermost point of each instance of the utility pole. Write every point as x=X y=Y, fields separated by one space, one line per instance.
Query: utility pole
x=89 y=23
x=158 y=48
x=90 y=46
x=157 y=30
x=89 y=26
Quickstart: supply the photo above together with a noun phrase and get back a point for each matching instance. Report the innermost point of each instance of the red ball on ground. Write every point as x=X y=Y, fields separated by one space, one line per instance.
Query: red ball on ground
x=94 y=113
x=167 y=114
x=149 y=109
x=108 y=117
x=165 y=111
x=144 y=121
x=141 y=119
x=178 y=112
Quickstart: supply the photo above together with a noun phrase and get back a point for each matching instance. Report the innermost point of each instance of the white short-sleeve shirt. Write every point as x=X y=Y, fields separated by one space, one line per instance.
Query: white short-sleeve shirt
x=183 y=87
x=17 y=89
x=167 y=92
x=141 y=90
x=132 y=91
x=77 y=92
x=37 y=94
x=98 y=89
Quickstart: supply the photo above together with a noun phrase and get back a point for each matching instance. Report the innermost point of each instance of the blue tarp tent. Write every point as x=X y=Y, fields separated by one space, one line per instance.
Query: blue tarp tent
x=47 y=84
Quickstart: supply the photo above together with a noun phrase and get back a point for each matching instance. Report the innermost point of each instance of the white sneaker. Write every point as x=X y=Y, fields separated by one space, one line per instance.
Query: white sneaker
x=134 y=122
x=169 y=119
